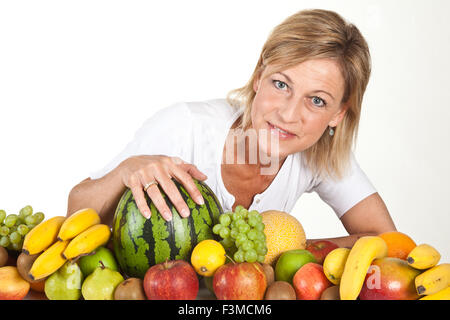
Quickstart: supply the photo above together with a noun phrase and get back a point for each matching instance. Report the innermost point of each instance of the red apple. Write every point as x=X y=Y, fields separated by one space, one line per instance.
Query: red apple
x=240 y=281
x=171 y=280
x=320 y=249
x=12 y=286
x=390 y=279
x=310 y=281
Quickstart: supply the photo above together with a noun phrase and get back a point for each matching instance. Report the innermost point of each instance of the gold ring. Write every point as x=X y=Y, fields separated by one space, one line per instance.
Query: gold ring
x=150 y=184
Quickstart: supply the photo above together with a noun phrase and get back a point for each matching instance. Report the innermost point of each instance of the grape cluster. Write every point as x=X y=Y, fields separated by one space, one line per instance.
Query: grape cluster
x=242 y=234
x=14 y=227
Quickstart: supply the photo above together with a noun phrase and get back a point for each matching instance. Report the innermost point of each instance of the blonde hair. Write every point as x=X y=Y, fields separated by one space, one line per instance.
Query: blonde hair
x=316 y=34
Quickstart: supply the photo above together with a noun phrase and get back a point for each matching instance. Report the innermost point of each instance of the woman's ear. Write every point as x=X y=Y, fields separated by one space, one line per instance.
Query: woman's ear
x=257 y=80
x=339 y=115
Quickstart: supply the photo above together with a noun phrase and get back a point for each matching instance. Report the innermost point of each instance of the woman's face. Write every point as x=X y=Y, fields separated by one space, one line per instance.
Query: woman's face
x=301 y=101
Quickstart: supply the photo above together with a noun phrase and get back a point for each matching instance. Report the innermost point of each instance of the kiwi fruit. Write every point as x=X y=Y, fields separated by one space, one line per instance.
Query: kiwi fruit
x=3 y=256
x=330 y=293
x=280 y=290
x=130 y=289
x=270 y=275
x=24 y=264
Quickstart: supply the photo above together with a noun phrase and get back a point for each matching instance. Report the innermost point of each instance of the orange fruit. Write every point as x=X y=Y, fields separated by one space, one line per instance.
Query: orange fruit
x=399 y=244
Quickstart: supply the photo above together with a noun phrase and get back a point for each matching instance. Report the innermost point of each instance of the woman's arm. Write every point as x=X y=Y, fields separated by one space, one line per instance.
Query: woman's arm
x=102 y=195
x=368 y=217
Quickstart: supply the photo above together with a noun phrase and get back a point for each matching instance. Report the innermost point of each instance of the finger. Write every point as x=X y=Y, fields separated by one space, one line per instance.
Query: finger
x=141 y=202
x=174 y=195
x=155 y=194
x=186 y=180
x=193 y=171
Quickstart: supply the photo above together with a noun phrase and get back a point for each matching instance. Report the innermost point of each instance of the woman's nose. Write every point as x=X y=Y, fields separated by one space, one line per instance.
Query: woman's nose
x=290 y=110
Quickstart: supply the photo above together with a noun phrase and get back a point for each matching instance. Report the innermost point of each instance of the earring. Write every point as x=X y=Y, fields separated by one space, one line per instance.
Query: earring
x=331 y=132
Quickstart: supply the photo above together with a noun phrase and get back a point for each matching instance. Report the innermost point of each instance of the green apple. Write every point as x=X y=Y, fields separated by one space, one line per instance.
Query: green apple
x=100 y=284
x=64 y=284
x=90 y=262
x=289 y=262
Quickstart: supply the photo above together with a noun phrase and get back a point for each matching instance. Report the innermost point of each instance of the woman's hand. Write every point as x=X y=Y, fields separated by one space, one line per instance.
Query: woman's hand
x=138 y=171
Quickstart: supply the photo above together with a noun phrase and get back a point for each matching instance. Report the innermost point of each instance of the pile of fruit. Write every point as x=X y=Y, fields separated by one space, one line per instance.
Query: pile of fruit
x=239 y=255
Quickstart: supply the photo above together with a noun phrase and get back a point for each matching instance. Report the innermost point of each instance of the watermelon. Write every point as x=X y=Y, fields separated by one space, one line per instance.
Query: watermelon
x=140 y=243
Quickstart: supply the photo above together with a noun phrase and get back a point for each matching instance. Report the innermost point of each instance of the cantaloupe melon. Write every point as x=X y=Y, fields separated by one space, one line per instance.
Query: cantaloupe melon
x=283 y=232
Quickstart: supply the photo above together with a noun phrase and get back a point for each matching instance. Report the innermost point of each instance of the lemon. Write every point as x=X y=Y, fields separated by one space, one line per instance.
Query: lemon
x=207 y=256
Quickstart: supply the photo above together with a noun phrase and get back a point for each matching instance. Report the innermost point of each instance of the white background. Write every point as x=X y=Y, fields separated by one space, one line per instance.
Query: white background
x=77 y=78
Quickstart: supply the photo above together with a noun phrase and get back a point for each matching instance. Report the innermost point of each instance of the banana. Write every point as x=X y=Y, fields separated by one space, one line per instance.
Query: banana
x=363 y=252
x=77 y=223
x=48 y=261
x=334 y=263
x=440 y=295
x=42 y=236
x=87 y=241
x=433 y=280
x=423 y=256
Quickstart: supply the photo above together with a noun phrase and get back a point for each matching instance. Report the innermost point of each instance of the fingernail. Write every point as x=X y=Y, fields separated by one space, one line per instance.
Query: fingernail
x=147 y=214
x=200 y=201
x=169 y=216
x=185 y=213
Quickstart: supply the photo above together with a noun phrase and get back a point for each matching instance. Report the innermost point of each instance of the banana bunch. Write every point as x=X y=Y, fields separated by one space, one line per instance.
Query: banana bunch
x=61 y=239
x=434 y=282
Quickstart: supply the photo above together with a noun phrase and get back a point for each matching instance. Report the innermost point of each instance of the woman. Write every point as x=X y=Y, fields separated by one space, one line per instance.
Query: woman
x=298 y=113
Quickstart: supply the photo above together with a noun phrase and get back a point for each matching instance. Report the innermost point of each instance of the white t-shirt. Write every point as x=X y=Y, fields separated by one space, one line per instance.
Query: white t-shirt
x=196 y=133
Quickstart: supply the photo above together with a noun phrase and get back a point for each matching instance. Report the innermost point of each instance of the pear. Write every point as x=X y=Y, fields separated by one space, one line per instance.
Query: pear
x=101 y=283
x=64 y=284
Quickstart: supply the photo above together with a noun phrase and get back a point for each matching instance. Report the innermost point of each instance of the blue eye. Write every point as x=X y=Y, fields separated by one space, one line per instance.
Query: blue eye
x=318 y=102
x=280 y=84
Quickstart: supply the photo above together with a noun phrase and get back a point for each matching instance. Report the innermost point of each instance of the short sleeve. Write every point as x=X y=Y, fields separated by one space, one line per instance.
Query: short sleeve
x=343 y=194
x=167 y=132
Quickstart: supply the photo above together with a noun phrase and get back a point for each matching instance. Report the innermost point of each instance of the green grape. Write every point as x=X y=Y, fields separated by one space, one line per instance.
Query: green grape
x=15 y=237
x=259 y=244
x=244 y=213
x=16 y=246
x=260 y=226
x=244 y=228
x=253 y=213
x=250 y=255
x=31 y=226
x=227 y=242
x=261 y=259
x=261 y=236
x=225 y=220
x=4 y=241
x=2 y=215
x=239 y=256
x=236 y=216
x=234 y=233
x=239 y=222
x=23 y=229
x=26 y=211
x=253 y=221
x=247 y=245
x=30 y=220
x=216 y=228
x=10 y=220
x=224 y=232
x=241 y=238
x=252 y=234
x=261 y=251
x=238 y=208
x=259 y=217
x=4 y=231
x=39 y=217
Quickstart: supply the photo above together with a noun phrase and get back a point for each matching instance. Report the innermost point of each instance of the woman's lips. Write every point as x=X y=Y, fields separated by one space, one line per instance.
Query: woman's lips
x=283 y=134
